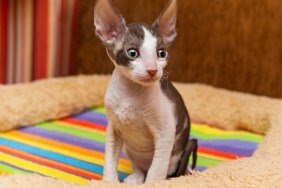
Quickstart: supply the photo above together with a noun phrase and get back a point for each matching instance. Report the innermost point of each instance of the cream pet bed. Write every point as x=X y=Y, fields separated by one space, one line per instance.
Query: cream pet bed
x=55 y=98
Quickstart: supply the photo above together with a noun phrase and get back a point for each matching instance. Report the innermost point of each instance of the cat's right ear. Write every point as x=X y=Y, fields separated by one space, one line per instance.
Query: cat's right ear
x=166 y=22
x=109 y=23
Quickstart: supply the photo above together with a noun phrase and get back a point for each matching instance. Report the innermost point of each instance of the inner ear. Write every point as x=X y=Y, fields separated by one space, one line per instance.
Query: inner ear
x=109 y=23
x=166 y=22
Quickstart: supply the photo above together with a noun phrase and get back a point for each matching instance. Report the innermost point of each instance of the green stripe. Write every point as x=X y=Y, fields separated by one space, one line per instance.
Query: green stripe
x=206 y=162
x=100 y=110
x=10 y=170
x=237 y=136
x=57 y=127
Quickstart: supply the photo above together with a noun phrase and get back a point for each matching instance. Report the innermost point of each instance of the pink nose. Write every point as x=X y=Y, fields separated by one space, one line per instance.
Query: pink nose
x=152 y=72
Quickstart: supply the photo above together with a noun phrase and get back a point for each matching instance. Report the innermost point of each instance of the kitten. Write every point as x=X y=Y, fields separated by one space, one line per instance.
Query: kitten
x=146 y=114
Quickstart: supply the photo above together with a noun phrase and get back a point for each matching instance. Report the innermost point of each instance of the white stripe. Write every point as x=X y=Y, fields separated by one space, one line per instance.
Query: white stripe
x=11 y=43
x=54 y=31
x=28 y=40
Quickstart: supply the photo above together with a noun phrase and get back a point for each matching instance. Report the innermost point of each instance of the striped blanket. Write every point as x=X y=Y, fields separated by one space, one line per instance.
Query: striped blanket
x=72 y=148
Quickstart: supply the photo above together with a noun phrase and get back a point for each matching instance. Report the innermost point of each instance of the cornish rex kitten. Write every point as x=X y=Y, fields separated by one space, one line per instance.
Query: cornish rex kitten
x=146 y=113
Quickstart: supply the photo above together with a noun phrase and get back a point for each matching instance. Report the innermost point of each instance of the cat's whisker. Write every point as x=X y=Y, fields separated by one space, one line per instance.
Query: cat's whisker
x=165 y=75
x=166 y=72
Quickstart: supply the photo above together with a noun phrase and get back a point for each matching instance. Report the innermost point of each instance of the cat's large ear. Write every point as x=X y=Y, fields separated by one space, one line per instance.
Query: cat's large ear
x=109 y=23
x=166 y=22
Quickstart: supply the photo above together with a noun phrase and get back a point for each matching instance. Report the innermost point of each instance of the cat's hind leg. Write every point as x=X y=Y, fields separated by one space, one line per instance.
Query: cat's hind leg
x=191 y=147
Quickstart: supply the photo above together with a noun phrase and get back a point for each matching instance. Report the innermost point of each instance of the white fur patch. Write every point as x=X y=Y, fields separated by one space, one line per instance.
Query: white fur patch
x=148 y=50
x=142 y=124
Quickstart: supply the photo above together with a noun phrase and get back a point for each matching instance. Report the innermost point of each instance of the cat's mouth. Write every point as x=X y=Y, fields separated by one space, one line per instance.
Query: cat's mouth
x=147 y=80
x=143 y=78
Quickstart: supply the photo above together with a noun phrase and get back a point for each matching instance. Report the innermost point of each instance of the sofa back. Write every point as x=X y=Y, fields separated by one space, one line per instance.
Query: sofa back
x=233 y=44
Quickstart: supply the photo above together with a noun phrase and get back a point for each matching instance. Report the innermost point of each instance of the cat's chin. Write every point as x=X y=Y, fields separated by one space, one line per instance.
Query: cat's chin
x=146 y=81
x=141 y=80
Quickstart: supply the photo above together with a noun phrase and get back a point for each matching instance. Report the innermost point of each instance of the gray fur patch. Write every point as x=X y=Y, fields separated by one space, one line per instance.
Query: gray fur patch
x=181 y=113
x=134 y=38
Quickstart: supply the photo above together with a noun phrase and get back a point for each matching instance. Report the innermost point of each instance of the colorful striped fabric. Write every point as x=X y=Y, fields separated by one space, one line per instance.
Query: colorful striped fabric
x=72 y=148
x=36 y=39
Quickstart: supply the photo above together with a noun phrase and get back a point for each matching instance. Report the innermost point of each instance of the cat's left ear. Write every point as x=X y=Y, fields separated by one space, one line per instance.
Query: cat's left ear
x=109 y=23
x=166 y=22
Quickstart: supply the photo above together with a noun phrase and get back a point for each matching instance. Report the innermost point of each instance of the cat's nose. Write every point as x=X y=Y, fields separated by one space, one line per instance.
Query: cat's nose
x=152 y=72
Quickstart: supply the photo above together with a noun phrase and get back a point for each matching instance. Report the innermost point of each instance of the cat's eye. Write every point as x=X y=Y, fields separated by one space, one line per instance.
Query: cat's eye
x=162 y=54
x=132 y=53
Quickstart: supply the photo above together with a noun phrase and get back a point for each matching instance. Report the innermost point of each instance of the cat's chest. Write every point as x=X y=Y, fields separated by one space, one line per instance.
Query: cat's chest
x=124 y=112
x=132 y=119
x=128 y=105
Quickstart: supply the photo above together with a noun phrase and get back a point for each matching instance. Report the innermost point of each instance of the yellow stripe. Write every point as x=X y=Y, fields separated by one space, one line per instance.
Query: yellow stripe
x=210 y=130
x=44 y=170
x=80 y=127
x=215 y=131
x=212 y=156
x=90 y=159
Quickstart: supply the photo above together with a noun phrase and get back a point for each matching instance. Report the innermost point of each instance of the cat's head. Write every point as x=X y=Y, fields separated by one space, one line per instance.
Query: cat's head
x=138 y=51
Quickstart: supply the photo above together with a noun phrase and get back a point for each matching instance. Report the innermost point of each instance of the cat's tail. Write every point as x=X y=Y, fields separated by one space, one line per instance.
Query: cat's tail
x=194 y=143
x=190 y=148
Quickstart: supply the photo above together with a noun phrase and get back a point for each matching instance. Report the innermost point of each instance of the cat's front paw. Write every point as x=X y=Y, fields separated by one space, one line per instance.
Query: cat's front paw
x=135 y=178
x=110 y=178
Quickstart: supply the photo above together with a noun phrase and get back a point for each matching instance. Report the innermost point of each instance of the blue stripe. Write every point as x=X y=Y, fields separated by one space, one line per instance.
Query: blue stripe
x=55 y=156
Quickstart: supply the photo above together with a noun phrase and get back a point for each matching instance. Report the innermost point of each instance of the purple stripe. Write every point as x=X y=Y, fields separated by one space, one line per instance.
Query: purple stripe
x=64 y=138
x=198 y=168
x=91 y=116
x=236 y=147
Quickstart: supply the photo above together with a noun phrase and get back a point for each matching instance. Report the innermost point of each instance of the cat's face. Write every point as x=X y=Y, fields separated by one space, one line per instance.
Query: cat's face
x=140 y=55
x=138 y=51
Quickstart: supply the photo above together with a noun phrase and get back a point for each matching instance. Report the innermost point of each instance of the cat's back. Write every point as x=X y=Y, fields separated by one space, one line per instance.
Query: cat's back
x=171 y=93
x=180 y=111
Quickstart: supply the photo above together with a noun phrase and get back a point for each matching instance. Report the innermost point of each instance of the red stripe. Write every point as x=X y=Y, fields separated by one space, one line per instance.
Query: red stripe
x=73 y=37
x=85 y=123
x=3 y=37
x=218 y=153
x=49 y=163
x=41 y=39
x=22 y=38
x=61 y=42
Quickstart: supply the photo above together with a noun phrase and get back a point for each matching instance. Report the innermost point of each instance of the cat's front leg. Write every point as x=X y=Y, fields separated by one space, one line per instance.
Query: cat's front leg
x=163 y=147
x=113 y=149
x=137 y=177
